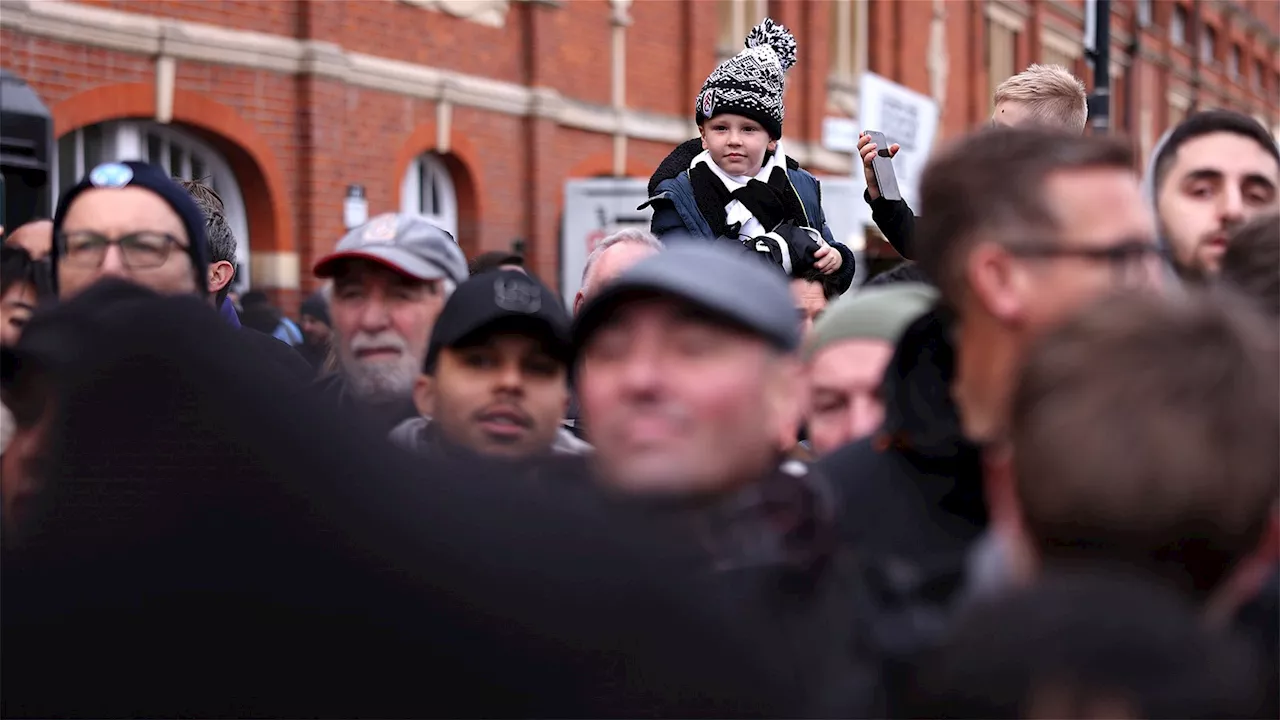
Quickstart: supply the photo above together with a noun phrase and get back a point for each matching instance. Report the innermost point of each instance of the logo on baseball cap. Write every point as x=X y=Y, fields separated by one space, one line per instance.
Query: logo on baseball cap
x=409 y=244
x=506 y=299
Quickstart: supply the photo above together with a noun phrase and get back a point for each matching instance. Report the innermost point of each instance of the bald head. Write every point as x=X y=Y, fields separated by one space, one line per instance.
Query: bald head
x=612 y=257
x=36 y=237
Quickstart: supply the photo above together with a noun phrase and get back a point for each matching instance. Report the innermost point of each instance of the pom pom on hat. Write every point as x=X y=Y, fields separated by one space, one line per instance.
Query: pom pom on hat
x=776 y=37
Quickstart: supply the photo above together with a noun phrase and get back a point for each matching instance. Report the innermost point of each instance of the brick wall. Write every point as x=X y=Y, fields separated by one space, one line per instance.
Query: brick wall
x=296 y=140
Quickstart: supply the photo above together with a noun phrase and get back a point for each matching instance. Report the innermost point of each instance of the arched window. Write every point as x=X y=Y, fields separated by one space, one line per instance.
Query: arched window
x=181 y=154
x=427 y=189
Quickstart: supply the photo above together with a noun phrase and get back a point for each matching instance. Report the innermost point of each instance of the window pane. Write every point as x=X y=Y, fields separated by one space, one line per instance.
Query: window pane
x=1178 y=25
x=94 y=147
x=1001 y=54
x=424 y=189
x=175 y=160
x=68 y=173
x=155 y=149
x=198 y=170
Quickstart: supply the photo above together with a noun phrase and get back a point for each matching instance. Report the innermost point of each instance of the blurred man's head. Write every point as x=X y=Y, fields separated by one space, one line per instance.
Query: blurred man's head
x=846 y=356
x=1045 y=95
x=1251 y=265
x=1144 y=436
x=222 y=242
x=496 y=260
x=391 y=277
x=316 y=325
x=19 y=291
x=1215 y=171
x=610 y=258
x=1014 y=241
x=495 y=377
x=812 y=295
x=36 y=237
x=129 y=220
x=1087 y=645
x=688 y=389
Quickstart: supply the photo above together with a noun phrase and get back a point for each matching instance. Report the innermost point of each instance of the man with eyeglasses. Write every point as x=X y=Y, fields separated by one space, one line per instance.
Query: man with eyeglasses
x=129 y=220
x=1025 y=226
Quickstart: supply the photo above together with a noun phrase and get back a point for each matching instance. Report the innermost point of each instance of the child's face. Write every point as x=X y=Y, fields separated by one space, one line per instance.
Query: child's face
x=737 y=144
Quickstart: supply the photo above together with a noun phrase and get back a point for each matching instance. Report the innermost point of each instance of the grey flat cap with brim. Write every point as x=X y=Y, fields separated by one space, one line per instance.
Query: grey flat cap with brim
x=409 y=244
x=715 y=277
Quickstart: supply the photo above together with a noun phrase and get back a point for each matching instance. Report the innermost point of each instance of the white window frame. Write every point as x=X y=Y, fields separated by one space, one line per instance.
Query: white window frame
x=1208 y=45
x=126 y=140
x=1178 y=25
x=430 y=166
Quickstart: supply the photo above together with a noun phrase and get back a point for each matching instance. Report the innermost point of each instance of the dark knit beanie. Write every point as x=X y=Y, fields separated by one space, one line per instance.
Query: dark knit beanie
x=750 y=83
x=150 y=177
x=316 y=307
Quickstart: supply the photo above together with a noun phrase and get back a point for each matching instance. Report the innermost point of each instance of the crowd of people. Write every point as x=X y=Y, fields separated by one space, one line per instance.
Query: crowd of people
x=1034 y=471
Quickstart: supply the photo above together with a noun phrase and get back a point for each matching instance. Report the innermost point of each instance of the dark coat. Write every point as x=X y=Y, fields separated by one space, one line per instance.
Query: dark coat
x=676 y=211
x=896 y=222
x=215 y=541
x=911 y=498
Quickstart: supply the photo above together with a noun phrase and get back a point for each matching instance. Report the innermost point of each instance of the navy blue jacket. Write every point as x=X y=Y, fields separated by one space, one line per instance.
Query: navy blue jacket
x=675 y=209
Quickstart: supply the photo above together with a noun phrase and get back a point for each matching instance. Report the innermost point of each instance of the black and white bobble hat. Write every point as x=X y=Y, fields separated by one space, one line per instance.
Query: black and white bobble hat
x=751 y=83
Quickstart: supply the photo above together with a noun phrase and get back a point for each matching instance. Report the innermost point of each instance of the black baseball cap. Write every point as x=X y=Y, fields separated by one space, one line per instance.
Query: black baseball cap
x=502 y=299
x=716 y=277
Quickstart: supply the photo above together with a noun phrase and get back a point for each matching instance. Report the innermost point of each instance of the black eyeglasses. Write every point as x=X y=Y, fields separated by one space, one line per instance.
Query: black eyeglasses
x=139 y=251
x=1125 y=259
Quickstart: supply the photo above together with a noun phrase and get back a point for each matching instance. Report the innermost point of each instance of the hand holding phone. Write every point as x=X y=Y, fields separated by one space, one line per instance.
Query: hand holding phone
x=880 y=169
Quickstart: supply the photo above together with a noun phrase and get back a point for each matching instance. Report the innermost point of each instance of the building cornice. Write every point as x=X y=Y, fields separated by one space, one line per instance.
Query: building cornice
x=200 y=42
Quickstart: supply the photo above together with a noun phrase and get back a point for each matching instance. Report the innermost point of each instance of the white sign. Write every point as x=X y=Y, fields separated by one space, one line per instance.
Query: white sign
x=905 y=117
x=840 y=134
x=593 y=210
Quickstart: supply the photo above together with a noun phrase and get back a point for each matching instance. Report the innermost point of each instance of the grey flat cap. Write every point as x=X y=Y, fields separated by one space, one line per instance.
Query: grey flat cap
x=717 y=278
x=409 y=244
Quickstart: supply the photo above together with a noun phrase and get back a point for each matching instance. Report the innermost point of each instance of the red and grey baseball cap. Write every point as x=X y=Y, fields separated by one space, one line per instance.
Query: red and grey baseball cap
x=409 y=244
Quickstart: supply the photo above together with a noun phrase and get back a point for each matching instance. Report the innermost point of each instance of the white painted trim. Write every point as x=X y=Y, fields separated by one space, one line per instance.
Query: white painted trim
x=275 y=270
x=1004 y=16
x=1059 y=42
x=79 y=24
x=1178 y=100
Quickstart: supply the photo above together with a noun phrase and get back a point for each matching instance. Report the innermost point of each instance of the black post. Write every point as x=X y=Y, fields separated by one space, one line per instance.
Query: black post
x=1100 y=100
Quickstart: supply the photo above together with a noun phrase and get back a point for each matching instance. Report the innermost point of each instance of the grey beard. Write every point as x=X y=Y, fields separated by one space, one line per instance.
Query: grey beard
x=381 y=382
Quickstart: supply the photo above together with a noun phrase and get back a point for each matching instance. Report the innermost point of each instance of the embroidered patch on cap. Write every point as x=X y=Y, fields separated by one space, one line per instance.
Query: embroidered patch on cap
x=708 y=103
x=381 y=229
x=517 y=295
x=111 y=175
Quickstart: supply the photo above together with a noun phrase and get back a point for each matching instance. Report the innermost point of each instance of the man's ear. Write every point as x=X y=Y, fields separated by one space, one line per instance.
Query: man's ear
x=785 y=400
x=997 y=281
x=773 y=146
x=578 y=301
x=702 y=133
x=221 y=274
x=424 y=396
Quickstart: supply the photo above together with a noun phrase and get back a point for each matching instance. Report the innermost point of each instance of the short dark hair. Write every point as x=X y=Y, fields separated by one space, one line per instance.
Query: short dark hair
x=1251 y=264
x=1077 y=639
x=829 y=289
x=17 y=266
x=222 y=242
x=1208 y=122
x=905 y=271
x=493 y=260
x=1144 y=434
x=990 y=185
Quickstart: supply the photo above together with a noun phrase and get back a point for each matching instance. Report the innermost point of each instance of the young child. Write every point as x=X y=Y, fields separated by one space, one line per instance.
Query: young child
x=735 y=181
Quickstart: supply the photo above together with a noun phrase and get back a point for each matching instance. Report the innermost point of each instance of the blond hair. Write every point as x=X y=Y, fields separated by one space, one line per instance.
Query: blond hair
x=1052 y=94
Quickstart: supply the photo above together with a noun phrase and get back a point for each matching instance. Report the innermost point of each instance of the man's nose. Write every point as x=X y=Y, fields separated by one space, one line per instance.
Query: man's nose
x=113 y=263
x=1231 y=206
x=375 y=315
x=510 y=377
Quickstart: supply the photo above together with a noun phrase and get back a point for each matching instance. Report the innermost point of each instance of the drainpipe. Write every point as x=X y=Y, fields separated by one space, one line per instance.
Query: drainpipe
x=1100 y=99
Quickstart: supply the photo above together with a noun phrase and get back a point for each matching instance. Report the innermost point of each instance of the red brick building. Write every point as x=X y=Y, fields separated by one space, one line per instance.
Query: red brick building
x=478 y=111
